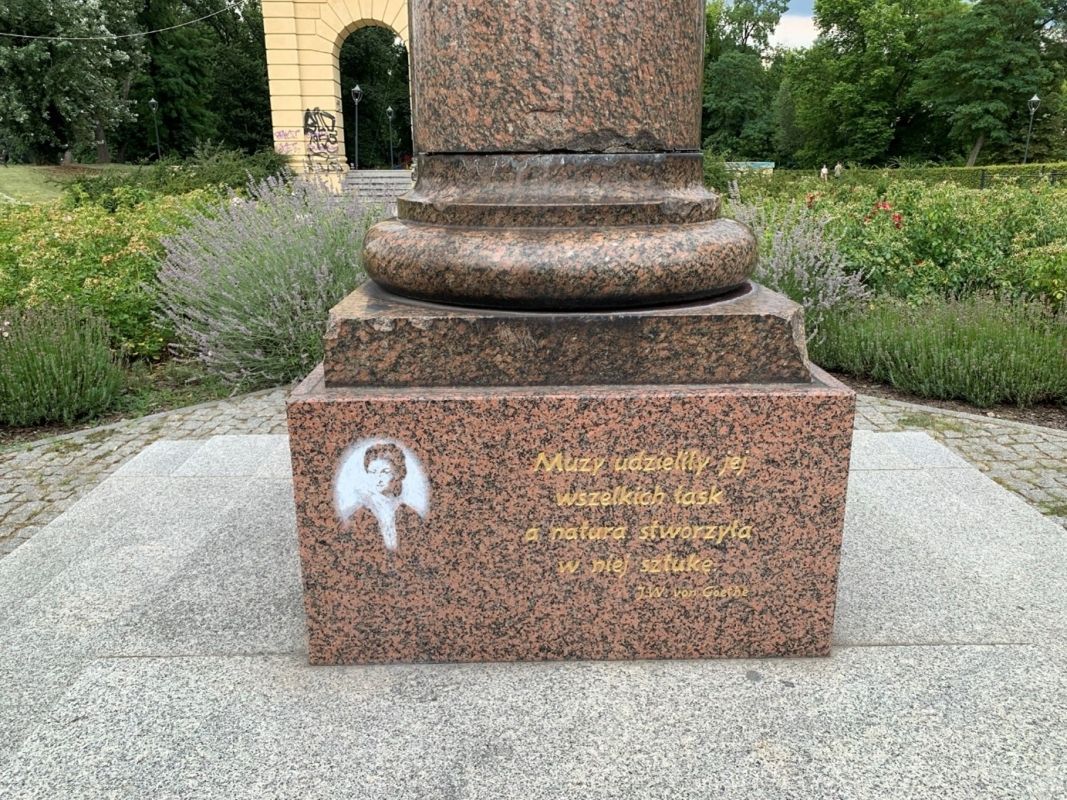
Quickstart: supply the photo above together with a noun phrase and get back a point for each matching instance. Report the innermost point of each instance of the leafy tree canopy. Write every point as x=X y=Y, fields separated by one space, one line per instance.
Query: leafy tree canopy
x=982 y=64
x=56 y=92
x=739 y=83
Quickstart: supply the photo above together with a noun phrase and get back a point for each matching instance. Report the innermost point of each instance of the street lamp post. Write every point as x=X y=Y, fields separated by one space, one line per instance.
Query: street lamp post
x=152 y=104
x=1033 y=103
x=390 y=113
x=357 y=95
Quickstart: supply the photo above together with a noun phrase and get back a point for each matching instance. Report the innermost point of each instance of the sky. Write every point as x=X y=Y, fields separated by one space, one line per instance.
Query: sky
x=797 y=29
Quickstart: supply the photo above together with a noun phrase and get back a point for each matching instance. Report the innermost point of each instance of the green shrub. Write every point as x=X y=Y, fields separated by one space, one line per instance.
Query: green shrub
x=980 y=350
x=209 y=168
x=1042 y=272
x=716 y=174
x=797 y=183
x=248 y=290
x=88 y=258
x=914 y=240
x=55 y=366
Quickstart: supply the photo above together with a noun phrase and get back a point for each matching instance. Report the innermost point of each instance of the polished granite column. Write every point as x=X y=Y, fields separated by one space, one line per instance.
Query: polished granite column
x=561 y=422
x=559 y=160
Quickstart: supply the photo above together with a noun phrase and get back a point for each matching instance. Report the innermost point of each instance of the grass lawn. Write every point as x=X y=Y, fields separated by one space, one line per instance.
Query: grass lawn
x=24 y=183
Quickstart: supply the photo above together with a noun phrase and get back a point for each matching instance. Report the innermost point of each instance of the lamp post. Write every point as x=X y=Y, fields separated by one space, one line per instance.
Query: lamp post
x=1033 y=103
x=390 y=113
x=357 y=95
x=152 y=104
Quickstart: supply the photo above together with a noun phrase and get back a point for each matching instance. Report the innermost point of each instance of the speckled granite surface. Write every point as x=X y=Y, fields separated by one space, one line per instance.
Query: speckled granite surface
x=565 y=75
x=569 y=268
x=560 y=189
x=379 y=339
x=596 y=523
x=513 y=485
x=559 y=160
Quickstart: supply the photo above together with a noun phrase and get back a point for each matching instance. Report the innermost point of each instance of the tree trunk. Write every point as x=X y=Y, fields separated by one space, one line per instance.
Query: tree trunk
x=103 y=153
x=125 y=96
x=976 y=150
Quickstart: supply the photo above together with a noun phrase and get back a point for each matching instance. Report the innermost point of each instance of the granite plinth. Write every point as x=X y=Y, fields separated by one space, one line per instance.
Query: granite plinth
x=379 y=339
x=586 y=523
x=565 y=75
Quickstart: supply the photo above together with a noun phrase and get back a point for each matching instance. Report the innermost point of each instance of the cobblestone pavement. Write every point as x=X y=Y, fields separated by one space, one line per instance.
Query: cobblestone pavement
x=40 y=479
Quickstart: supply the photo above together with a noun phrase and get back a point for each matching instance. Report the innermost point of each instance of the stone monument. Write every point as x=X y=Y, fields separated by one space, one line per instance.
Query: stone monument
x=561 y=422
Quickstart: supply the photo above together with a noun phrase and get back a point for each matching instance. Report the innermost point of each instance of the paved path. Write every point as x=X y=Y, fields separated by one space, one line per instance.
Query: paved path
x=38 y=481
x=153 y=644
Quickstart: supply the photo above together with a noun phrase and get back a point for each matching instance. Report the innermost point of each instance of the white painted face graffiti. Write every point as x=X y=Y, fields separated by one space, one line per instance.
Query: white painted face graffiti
x=386 y=478
x=381 y=474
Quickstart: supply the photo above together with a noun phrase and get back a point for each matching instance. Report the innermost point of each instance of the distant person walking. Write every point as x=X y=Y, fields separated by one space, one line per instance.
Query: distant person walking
x=824 y=173
x=839 y=169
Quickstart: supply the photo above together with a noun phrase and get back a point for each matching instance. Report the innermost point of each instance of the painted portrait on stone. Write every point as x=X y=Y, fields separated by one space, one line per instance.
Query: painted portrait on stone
x=382 y=483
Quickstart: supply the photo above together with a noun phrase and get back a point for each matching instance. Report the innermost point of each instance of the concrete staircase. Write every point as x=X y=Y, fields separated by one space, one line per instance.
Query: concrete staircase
x=378 y=186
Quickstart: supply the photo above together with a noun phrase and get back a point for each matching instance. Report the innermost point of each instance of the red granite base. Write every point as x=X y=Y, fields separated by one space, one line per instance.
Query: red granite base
x=569 y=523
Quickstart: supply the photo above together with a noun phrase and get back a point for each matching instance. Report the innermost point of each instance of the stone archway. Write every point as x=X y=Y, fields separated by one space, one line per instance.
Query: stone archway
x=303 y=39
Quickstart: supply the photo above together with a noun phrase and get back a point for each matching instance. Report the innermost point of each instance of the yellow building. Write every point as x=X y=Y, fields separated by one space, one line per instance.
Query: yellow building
x=304 y=39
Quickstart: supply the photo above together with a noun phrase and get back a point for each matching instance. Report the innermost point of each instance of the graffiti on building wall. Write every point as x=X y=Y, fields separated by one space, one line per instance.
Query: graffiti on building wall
x=320 y=140
x=287 y=140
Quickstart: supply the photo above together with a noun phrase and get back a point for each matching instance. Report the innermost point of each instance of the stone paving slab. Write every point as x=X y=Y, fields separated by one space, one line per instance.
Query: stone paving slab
x=1030 y=460
x=906 y=450
x=41 y=479
x=929 y=558
x=896 y=722
x=240 y=587
x=948 y=677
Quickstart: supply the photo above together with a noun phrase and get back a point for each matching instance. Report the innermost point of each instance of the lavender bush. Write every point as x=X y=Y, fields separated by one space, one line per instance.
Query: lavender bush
x=799 y=259
x=247 y=288
x=56 y=365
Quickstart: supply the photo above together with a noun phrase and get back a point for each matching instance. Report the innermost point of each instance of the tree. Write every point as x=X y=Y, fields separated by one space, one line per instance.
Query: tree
x=748 y=24
x=374 y=58
x=739 y=83
x=177 y=74
x=66 y=88
x=982 y=66
x=240 y=94
x=850 y=92
x=739 y=102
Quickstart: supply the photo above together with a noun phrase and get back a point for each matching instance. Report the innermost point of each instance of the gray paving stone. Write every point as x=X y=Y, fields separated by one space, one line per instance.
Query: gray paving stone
x=946 y=556
x=231 y=456
x=924 y=452
x=97 y=559
x=900 y=450
x=277 y=463
x=238 y=591
x=896 y=722
x=161 y=459
x=871 y=451
x=26 y=703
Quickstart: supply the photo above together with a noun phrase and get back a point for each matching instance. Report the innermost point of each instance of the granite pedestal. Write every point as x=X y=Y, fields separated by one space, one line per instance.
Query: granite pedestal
x=561 y=423
x=691 y=509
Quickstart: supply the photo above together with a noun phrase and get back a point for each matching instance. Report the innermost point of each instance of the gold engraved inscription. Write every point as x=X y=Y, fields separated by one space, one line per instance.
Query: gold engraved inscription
x=687 y=499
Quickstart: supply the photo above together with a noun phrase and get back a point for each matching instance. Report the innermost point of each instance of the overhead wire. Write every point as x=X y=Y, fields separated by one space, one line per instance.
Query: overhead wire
x=113 y=36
